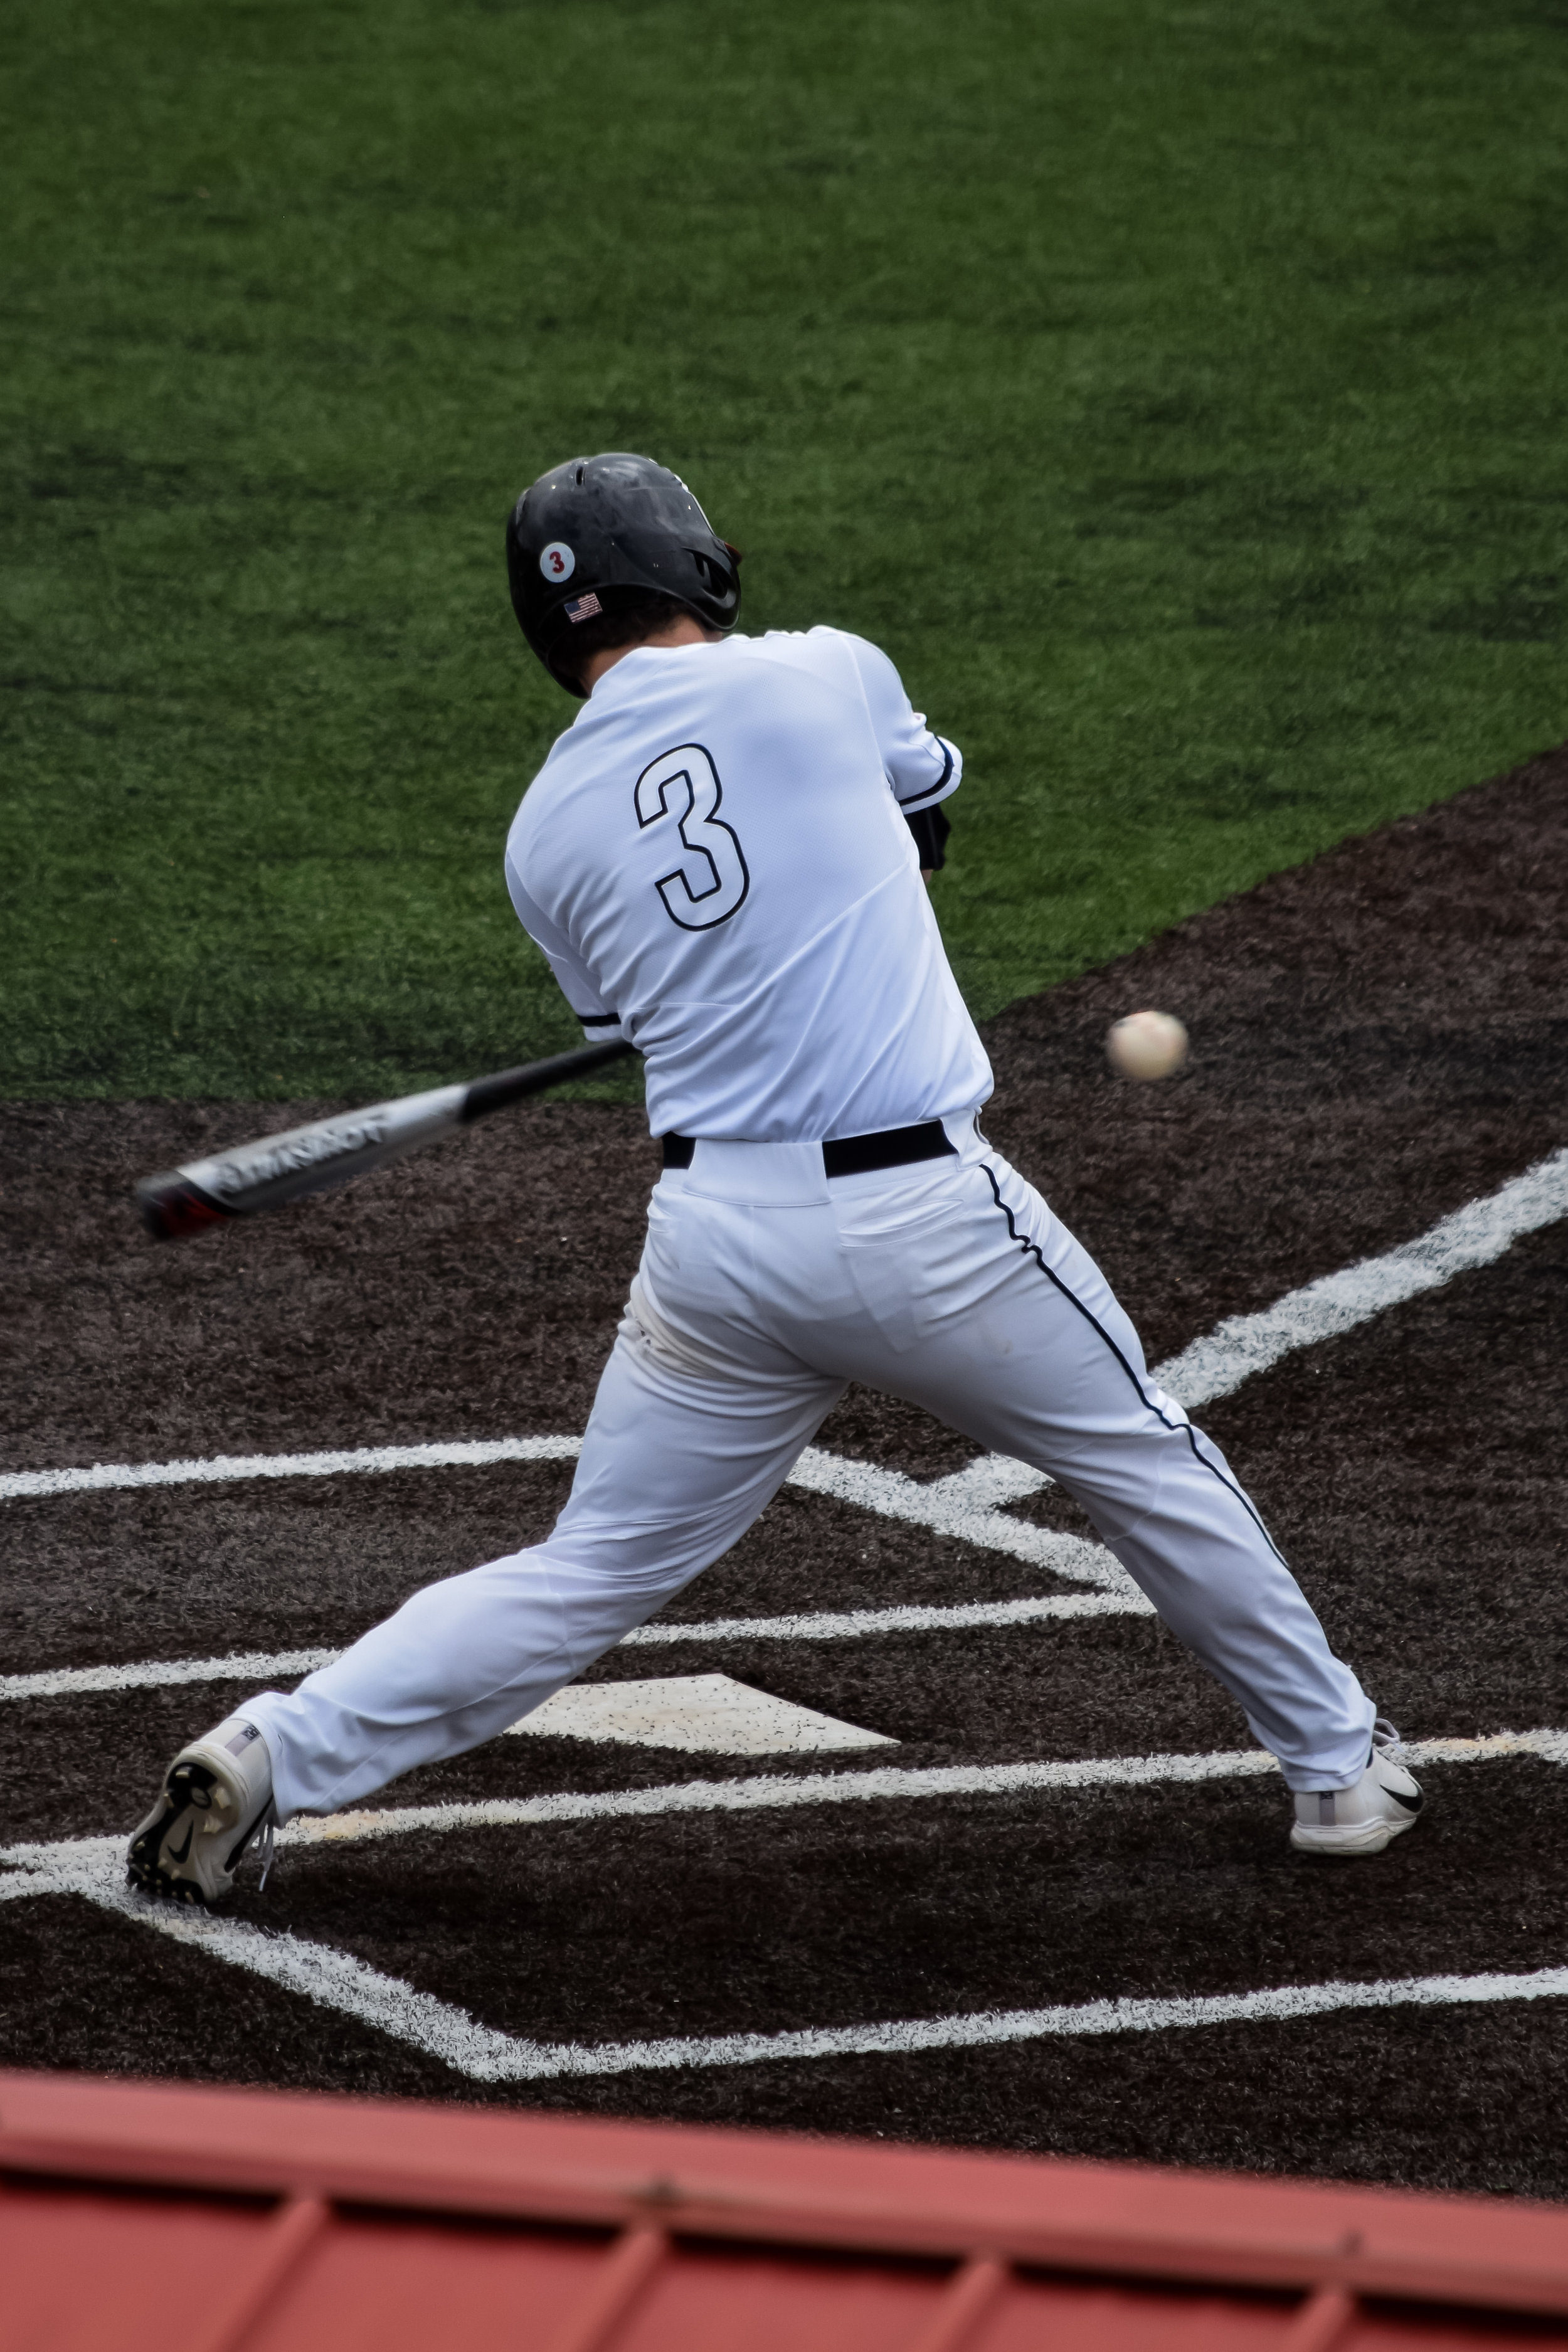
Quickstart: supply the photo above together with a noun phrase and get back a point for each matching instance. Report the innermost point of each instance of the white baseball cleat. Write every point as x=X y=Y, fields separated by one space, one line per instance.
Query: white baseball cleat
x=1384 y=1802
x=216 y=1798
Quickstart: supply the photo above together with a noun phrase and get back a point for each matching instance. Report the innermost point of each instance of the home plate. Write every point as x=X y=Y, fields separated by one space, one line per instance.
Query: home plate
x=706 y=1714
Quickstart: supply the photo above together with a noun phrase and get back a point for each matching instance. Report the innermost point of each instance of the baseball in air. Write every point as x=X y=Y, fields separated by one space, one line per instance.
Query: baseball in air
x=1146 y=1044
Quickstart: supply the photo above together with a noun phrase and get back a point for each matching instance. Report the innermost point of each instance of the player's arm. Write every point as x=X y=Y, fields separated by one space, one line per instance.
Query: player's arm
x=931 y=828
x=922 y=769
x=600 y=1022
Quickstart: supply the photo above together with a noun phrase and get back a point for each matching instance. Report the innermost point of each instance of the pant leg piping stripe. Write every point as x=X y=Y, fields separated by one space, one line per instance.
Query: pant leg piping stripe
x=1031 y=1249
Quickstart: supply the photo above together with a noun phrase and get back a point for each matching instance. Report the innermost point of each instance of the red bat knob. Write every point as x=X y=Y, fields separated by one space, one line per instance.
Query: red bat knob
x=173 y=1208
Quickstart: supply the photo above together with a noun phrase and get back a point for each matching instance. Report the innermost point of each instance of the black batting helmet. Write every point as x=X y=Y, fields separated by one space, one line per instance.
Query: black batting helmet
x=597 y=534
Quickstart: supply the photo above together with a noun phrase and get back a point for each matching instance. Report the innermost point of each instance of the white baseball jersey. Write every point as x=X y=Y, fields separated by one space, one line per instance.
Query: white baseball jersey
x=714 y=860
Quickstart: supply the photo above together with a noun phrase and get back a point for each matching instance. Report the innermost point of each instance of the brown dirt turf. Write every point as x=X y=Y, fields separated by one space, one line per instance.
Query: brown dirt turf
x=1378 y=1037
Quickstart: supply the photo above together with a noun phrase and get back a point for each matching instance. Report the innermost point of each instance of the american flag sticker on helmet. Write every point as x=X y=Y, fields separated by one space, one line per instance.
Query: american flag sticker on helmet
x=585 y=608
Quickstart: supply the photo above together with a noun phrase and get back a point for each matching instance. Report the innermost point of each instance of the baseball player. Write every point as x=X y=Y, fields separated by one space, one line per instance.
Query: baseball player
x=722 y=860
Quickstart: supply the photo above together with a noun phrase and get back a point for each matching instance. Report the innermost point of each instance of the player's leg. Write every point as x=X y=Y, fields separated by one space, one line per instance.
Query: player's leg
x=683 y=1449
x=674 y=1467
x=1002 y=1325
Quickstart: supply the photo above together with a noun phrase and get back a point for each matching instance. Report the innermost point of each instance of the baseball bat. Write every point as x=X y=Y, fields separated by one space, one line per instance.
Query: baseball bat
x=302 y=1159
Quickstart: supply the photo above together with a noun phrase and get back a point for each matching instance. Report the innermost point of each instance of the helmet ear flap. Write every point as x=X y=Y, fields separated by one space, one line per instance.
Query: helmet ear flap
x=719 y=579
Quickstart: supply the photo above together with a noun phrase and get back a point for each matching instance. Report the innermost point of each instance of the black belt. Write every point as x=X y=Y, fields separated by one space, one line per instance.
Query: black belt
x=852 y=1155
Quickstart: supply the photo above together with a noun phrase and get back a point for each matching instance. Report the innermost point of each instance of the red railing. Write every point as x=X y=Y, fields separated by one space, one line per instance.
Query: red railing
x=142 y=2215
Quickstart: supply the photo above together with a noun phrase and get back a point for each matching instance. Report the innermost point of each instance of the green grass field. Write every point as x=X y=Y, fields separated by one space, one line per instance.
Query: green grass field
x=1173 y=386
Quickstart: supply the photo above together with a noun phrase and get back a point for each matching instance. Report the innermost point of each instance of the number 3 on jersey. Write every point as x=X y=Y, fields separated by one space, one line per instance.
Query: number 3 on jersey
x=683 y=788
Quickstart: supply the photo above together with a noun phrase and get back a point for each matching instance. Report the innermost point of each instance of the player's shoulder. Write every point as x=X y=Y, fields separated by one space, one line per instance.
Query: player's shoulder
x=822 y=637
x=832 y=653
x=547 y=792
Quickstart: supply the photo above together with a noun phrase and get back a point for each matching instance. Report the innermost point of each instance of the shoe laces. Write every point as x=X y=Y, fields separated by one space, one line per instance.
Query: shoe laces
x=1385 y=1739
x=264 y=1842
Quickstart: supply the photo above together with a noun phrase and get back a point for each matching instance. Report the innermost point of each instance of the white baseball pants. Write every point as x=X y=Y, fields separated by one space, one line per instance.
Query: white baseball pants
x=765 y=1289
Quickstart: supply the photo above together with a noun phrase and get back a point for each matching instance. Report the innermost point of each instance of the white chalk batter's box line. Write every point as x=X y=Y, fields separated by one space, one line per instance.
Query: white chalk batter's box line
x=1212 y=1366
x=92 y=1869
x=968 y=1505
x=256 y=1666
x=335 y=1980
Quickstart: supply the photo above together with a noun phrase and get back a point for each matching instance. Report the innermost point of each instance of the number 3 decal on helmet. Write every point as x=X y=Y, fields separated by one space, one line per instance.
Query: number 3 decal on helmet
x=557 y=561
